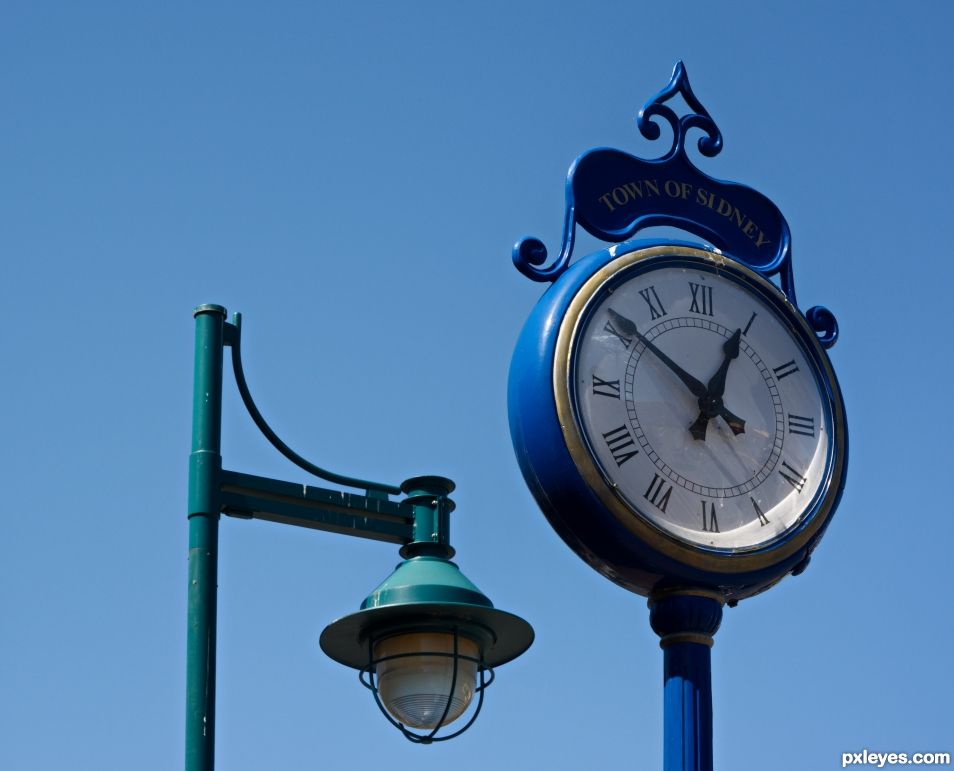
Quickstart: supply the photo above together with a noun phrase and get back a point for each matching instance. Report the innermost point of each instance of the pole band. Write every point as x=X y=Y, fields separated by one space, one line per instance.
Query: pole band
x=686 y=637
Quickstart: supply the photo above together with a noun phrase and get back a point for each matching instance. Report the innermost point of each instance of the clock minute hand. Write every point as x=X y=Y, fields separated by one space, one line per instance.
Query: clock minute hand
x=627 y=327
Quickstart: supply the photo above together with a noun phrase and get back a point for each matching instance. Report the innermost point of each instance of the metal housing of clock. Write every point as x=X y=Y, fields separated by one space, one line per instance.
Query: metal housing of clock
x=674 y=413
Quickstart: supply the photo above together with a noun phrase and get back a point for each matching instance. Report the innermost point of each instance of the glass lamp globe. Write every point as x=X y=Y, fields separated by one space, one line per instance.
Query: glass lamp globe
x=415 y=687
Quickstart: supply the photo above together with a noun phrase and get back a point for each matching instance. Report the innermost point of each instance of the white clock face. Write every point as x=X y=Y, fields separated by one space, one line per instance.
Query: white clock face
x=701 y=407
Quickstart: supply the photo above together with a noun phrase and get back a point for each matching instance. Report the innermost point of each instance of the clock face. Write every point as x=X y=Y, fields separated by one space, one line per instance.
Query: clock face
x=701 y=403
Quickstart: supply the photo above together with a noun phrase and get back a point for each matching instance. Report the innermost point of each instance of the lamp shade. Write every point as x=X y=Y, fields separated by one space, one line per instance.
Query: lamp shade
x=427 y=594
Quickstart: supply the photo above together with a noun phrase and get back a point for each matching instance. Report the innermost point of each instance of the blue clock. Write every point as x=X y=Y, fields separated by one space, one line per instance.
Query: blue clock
x=673 y=412
x=677 y=420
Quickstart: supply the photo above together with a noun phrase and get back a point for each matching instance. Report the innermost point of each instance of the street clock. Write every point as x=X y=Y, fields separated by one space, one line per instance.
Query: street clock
x=674 y=413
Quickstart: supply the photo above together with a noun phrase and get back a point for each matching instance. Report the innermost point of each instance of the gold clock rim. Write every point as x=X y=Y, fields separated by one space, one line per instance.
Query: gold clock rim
x=696 y=556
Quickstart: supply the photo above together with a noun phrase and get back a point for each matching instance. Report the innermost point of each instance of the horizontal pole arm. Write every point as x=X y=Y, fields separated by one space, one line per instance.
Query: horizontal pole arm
x=253 y=497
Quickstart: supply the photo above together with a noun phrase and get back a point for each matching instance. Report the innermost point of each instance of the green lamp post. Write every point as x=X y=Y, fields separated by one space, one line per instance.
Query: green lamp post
x=425 y=642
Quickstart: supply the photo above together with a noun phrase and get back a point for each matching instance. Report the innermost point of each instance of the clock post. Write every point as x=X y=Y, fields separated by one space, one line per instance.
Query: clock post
x=695 y=446
x=685 y=621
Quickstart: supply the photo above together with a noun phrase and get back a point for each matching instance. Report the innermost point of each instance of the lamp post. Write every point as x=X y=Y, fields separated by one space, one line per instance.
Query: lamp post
x=425 y=642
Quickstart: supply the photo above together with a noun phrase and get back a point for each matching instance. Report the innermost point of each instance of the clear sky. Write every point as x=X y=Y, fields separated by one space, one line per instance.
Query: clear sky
x=351 y=177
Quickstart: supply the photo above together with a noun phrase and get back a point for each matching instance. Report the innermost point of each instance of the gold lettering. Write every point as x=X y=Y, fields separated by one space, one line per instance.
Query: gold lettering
x=635 y=189
x=629 y=191
x=647 y=188
x=734 y=214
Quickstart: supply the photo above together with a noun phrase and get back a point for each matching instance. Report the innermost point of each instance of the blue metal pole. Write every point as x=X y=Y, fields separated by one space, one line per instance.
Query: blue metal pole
x=205 y=466
x=685 y=621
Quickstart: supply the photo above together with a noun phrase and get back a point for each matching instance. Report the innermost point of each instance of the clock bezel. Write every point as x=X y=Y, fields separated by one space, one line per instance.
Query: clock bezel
x=815 y=513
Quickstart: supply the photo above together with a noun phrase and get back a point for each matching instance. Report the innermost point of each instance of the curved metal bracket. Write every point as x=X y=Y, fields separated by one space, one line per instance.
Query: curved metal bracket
x=373 y=489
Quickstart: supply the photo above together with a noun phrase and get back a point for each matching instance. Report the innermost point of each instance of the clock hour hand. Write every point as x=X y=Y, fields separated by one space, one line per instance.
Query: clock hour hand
x=626 y=327
x=731 y=350
x=710 y=404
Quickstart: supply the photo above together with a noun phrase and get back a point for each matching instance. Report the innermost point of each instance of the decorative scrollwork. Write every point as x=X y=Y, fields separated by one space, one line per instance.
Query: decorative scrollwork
x=529 y=252
x=824 y=323
x=709 y=145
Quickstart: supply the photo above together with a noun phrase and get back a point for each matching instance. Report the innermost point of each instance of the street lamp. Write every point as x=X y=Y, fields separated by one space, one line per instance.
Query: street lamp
x=425 y=641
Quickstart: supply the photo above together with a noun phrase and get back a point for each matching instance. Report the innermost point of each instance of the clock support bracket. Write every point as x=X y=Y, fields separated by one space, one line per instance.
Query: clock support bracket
x=613 y=195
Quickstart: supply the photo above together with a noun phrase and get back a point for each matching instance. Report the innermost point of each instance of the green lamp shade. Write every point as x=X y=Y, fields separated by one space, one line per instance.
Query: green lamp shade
x=427 y=594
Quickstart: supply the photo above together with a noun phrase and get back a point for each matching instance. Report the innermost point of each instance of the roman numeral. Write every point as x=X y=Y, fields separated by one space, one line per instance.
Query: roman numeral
x=655 y=304
x=763 y=520
x=793 y=477
x=798 y=424
x=709 y=524
x=612 y=330
x=701 y=299
x=749 y=325
x=605 y=387
x=619 y=440
x=655 y=494
x=786 y=369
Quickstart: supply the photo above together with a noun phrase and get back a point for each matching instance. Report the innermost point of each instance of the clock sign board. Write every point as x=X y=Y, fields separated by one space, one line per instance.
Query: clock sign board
x=674 y=413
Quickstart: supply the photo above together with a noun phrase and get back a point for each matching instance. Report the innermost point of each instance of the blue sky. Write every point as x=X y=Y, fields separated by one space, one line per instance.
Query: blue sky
x=351 y=178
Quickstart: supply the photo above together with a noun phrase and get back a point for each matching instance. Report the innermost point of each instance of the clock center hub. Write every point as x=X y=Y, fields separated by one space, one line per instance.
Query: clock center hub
x=710 y=406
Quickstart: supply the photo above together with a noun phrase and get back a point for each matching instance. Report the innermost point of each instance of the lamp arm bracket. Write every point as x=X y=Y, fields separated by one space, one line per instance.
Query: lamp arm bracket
x=252 y=497
x=233 y=338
